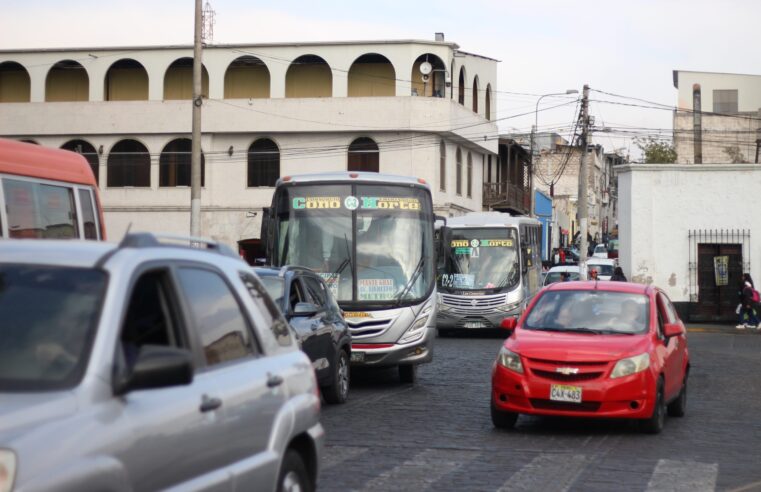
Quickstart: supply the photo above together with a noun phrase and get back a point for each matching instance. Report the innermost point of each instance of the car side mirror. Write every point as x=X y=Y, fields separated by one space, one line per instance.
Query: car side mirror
x=509 y=324
x=673 y=330
x=305 y=309
x=157 y=366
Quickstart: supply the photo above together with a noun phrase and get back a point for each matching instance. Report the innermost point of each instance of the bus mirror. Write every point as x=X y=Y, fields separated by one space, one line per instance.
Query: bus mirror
x=441 y=218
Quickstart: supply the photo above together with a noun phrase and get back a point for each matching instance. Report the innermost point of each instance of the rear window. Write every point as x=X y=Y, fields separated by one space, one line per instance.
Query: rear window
x=584 y=310
x=553 y=277
x=606 y=270
x=39 y=211
x=48 y=319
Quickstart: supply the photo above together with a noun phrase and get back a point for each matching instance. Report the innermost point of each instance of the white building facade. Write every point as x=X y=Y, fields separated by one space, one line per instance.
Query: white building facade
x=269 y=110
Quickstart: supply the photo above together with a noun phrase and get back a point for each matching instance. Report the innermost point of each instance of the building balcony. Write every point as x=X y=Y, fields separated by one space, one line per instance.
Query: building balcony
x=507 y=197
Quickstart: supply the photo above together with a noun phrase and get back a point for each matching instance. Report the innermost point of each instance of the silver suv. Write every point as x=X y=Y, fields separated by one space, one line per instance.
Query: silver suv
x=147 y=366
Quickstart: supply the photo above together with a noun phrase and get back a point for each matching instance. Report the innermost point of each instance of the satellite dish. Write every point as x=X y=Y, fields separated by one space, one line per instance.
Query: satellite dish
x=426 y=68
x=425 y=78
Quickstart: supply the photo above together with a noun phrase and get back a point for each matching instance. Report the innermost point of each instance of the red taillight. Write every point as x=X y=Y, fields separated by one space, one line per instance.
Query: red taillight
x=353 y=175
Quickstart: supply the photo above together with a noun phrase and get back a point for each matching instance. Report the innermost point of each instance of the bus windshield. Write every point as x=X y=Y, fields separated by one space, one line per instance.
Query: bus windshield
x=481 y=258
x=371 y=243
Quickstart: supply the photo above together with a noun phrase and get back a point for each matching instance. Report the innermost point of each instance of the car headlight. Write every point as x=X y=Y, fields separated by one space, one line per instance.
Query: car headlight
x=7 y=470
x=508 y=307
x=631 y=365
x=510 y=360
x=417 y=330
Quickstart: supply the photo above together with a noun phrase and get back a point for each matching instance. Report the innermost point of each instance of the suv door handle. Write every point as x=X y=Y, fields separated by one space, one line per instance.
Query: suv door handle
x=274 y=380
x=208 y=403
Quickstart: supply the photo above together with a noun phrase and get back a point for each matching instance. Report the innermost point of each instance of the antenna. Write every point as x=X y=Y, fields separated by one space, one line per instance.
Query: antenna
x=208 y=20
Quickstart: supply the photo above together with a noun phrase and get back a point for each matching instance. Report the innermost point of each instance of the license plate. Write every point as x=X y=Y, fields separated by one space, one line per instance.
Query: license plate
x=474 y=324
x=561 y=392
x=357 y=356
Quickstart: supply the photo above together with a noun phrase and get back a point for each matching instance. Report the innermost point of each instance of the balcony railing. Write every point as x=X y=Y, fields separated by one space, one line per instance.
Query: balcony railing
x=506 y=195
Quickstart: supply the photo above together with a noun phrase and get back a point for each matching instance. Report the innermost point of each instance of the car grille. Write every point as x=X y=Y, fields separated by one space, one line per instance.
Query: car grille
x=474 y=305
x=549 y=369
x=585 y=406
x=556 y=376
x=565 y=363
x=368 y=328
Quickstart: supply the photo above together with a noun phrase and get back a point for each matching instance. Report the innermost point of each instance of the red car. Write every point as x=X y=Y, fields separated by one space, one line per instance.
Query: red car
x=593 y=349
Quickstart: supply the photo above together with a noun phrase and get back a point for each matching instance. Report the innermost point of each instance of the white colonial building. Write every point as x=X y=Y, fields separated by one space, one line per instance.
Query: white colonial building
x=269 y=110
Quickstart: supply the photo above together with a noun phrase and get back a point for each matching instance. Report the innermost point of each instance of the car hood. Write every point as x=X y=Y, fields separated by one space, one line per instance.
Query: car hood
x=19 y=411
x=575 y=347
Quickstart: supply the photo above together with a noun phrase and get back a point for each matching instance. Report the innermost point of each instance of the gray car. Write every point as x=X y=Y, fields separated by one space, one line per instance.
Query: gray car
x=145 y=366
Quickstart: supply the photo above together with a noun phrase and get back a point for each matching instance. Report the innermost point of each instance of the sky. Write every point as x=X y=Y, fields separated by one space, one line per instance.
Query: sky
x=625 y=47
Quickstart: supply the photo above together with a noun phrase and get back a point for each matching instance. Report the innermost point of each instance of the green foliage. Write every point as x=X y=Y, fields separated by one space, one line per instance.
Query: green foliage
x=735 y=155
x=655 y=151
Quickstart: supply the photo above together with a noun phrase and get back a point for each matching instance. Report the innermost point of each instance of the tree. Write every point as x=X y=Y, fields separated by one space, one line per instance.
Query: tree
x=656 y=151
x=735 y=154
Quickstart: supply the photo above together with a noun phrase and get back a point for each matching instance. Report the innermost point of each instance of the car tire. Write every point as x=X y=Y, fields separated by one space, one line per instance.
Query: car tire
x=678 y=407
x=408 y=373
x=293 y=474
x=338 y=391
x=502 y=419
x=654 y=425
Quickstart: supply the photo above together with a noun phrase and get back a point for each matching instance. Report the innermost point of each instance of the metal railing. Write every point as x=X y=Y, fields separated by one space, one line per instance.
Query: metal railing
x=506 y=194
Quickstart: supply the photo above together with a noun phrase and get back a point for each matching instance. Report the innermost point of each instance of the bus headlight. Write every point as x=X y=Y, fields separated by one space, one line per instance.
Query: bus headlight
x=631 y=365
x=416 y=331
x=7 y=470
x=510 y=360
x=509 y=307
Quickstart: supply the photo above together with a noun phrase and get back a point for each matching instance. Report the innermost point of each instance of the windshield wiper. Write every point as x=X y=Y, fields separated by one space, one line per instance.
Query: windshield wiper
x=413 y=279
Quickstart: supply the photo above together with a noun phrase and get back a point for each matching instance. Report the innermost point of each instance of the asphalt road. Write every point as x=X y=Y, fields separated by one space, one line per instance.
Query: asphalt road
x=437 y=434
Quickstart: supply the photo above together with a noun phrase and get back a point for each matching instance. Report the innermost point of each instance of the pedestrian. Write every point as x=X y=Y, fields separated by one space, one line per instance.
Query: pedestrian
x=746 y=307
x=561 y=254
x=618 y=275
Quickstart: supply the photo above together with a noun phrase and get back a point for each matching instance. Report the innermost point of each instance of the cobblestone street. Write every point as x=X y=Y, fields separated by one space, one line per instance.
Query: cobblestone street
x=437 y=434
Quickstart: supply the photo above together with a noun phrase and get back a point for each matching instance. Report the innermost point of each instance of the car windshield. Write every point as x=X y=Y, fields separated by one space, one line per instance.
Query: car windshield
x=602 y=269
x=585 y=311
x=480 y=259
x=49 y=315
x=553 y=277
x=613 y=245
x=370 y=243
x=275 y=286
x=600 y=248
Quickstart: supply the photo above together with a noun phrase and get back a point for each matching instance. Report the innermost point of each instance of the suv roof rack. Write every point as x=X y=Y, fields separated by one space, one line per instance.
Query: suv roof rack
x=149 y=240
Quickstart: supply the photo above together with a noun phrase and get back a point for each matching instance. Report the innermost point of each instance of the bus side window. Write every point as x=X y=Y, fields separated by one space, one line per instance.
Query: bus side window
x=88 y=214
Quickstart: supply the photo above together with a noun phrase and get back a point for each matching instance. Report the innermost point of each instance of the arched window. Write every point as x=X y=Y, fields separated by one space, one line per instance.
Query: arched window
x=442 y=166
x=175 y=163
x=88 y=152
x=469 y=181
x=178 y=80
x=309 y=76
x=263 y=163
x=461 y=87
x=15 y=84
x=247 y=77
x=475 y=94
x=434 y=85
x=487 y=102
x=67 y=81
x=126 y=80
x=372 y=75
x=363 y=155
x=128 y=164
x=458 y=177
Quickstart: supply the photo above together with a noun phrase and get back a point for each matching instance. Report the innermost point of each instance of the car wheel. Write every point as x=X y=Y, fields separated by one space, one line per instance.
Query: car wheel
x=338 y=392
x=502 y=419
x=293 y=474
x=408 y=373
x=654 y=425
x=678 y=407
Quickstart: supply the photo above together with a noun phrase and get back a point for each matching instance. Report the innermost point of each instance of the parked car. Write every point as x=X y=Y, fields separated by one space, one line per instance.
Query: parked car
x=604 y=267
x=310 y=308
x=554 y=274
x=600 y=251
x=613 y=249
x=149 y=366
x=593 y=349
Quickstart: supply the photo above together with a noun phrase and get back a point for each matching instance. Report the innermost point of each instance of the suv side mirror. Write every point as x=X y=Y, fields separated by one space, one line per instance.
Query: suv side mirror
x=305 y=309
x=509 y=324
x=672 y=330
x=157 y=366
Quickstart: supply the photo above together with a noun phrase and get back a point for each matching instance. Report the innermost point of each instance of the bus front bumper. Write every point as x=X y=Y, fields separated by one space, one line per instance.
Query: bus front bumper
x=456 y=319
x=393 y=354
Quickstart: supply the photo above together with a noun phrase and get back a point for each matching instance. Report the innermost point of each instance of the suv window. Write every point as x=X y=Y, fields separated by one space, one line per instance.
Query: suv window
x=267 y=307
x=315 y=291
x=150 y=319
x=221 y=325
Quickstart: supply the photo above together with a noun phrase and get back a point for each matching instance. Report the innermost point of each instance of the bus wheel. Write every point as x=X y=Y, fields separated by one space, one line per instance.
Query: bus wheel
x=408 y=373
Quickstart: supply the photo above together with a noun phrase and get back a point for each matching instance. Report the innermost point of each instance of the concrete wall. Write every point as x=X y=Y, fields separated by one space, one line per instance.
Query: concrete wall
x=748 y=89
x=660 y=203
x=724 y=138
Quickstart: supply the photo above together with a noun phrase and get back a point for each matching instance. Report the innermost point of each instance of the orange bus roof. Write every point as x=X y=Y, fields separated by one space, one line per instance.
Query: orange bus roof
x=25 y=159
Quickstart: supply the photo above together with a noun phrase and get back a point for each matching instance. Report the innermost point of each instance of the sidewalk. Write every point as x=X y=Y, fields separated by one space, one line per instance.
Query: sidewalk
x=726 y=328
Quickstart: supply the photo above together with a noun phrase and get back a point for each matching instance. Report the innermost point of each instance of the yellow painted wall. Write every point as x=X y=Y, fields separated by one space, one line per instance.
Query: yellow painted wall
x=67 y=84
x=127 y=84
x=372 y=79
x=313 y=80
x=14 y=86
x=247 y=82
x=178 y=83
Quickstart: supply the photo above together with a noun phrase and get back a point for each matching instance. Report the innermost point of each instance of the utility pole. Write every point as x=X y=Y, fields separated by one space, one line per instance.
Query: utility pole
x=582 y=211
x=531 y=212
x=195 y=150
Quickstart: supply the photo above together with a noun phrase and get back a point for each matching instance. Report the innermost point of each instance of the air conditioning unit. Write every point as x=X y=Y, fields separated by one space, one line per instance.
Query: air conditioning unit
x=605 y=198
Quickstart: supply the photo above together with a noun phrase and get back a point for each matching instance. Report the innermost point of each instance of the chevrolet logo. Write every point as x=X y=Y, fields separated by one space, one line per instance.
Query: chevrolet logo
x=567 y=371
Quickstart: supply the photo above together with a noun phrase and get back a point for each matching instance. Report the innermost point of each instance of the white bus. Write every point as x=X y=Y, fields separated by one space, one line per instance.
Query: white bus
x=370 y=236
x=489 y=268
